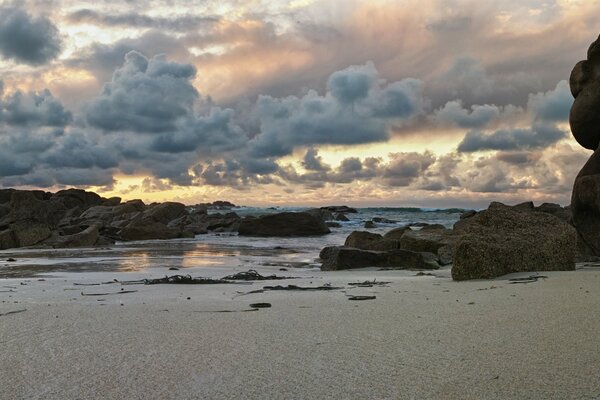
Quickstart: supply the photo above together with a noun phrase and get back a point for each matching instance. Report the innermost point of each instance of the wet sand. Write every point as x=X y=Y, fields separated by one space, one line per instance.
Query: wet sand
x=422 y=337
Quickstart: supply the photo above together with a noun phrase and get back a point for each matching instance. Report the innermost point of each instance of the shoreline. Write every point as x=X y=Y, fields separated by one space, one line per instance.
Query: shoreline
x=422 y=337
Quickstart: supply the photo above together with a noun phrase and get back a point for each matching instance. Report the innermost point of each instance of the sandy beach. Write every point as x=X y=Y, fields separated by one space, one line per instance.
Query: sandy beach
x=423 y=337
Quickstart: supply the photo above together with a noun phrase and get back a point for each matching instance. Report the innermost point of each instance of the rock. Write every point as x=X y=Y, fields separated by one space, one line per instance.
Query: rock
x=341 y=217
x=341 y=209
x=164 y=212
x=148 y=230
x=525 y=206
x=327 y=252
x=504 y=239
x=111 y=202
x=32 y=206
x=340 y=258
x=77 y=198
x=585 y=206
x=468 y=214
x=320 y=213
x=427 y=240
x=433 y=227
x=5 y=195
x=283 y=224
x=4 y=210
x=564 y=213
x=332 y=224
x=397 y=233
x=30 y=233
x=383 y=220
x=370 y=225
x=86 y=238
x=7 y=239
x=444 y=255
x=370 y=241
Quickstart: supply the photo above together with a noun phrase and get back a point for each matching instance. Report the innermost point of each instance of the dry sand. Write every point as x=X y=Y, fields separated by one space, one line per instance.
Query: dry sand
x=422 y=337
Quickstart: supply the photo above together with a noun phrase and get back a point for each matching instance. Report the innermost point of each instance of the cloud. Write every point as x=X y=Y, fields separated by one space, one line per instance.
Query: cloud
x=477 y=117
x=404 y=168
x=553 y=105
x=356 y=109
x=33 y=109
x=145 y=95
x=131 y=19
x=538 y=136
x=26 y=39
x=103 y=59
x=312 y=161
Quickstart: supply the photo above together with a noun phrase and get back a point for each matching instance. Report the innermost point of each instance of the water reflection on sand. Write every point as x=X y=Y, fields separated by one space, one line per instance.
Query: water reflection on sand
x=147 y=255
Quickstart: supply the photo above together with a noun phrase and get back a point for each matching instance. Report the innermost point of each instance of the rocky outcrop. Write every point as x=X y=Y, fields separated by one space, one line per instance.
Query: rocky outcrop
x=370 y=241
x=584 y=119
x=321 y=213
x=86 y=238
x=504 y=239
x=342 y=257
x=283 y=224
x=341 y=209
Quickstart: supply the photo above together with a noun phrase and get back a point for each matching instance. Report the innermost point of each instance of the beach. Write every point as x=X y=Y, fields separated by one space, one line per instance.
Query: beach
x=421 y=337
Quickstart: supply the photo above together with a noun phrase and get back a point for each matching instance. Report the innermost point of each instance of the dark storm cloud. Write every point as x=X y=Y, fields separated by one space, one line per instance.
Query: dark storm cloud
x=145 y=95
x=538 y=136
x=217 y=132
x=404 y=168
x=178 y=23
x=355 y=110
x=26 y=39
x=312 y=161
x=33 y=109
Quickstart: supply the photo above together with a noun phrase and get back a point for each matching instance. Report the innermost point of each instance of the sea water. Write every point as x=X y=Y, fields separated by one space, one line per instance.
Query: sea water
x=215 y=249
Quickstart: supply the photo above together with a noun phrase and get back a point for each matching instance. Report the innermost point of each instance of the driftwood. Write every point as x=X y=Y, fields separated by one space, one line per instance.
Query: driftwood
x=362 y=297
x=252 y=275
x=106 y=294
x=183 y=279
x=369 y=283
x=527 y=279
x=260 y=305
x=291 y=288
x=12 y=312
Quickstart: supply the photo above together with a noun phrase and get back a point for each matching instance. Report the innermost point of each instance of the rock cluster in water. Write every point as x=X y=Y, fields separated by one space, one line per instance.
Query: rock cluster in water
x=486 y=244
x=77 y=218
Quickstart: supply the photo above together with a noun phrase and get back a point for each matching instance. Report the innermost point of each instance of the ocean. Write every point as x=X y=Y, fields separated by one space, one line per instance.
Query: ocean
x=227 y=250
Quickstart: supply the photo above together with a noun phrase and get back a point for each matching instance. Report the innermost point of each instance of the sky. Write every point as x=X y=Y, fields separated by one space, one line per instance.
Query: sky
x=425 y=103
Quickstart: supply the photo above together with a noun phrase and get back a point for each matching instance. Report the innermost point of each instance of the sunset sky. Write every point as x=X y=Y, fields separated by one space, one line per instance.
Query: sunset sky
x=394 y=103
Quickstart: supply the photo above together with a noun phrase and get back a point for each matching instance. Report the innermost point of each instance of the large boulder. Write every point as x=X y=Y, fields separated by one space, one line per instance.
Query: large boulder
x=341 y=209
x=77 y=198
x=30 y=233
x=585 y=205
x=7 y=239
x=283 y=224
x=502 y=240
x=370 y=241
x=342 y=257
x=165 y=212
x=321 y=213
x=86 y=238
x=396 y=233
x=427 y=240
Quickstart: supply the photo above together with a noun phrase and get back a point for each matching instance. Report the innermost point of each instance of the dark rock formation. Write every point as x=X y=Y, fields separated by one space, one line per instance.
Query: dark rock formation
x=370 y=241
x=396 y=233
x=341 y=209
x=585 y=126
x=504 y=239
x=370 y=225
x=283 y=224
x=342 y=257
x=321 y=213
